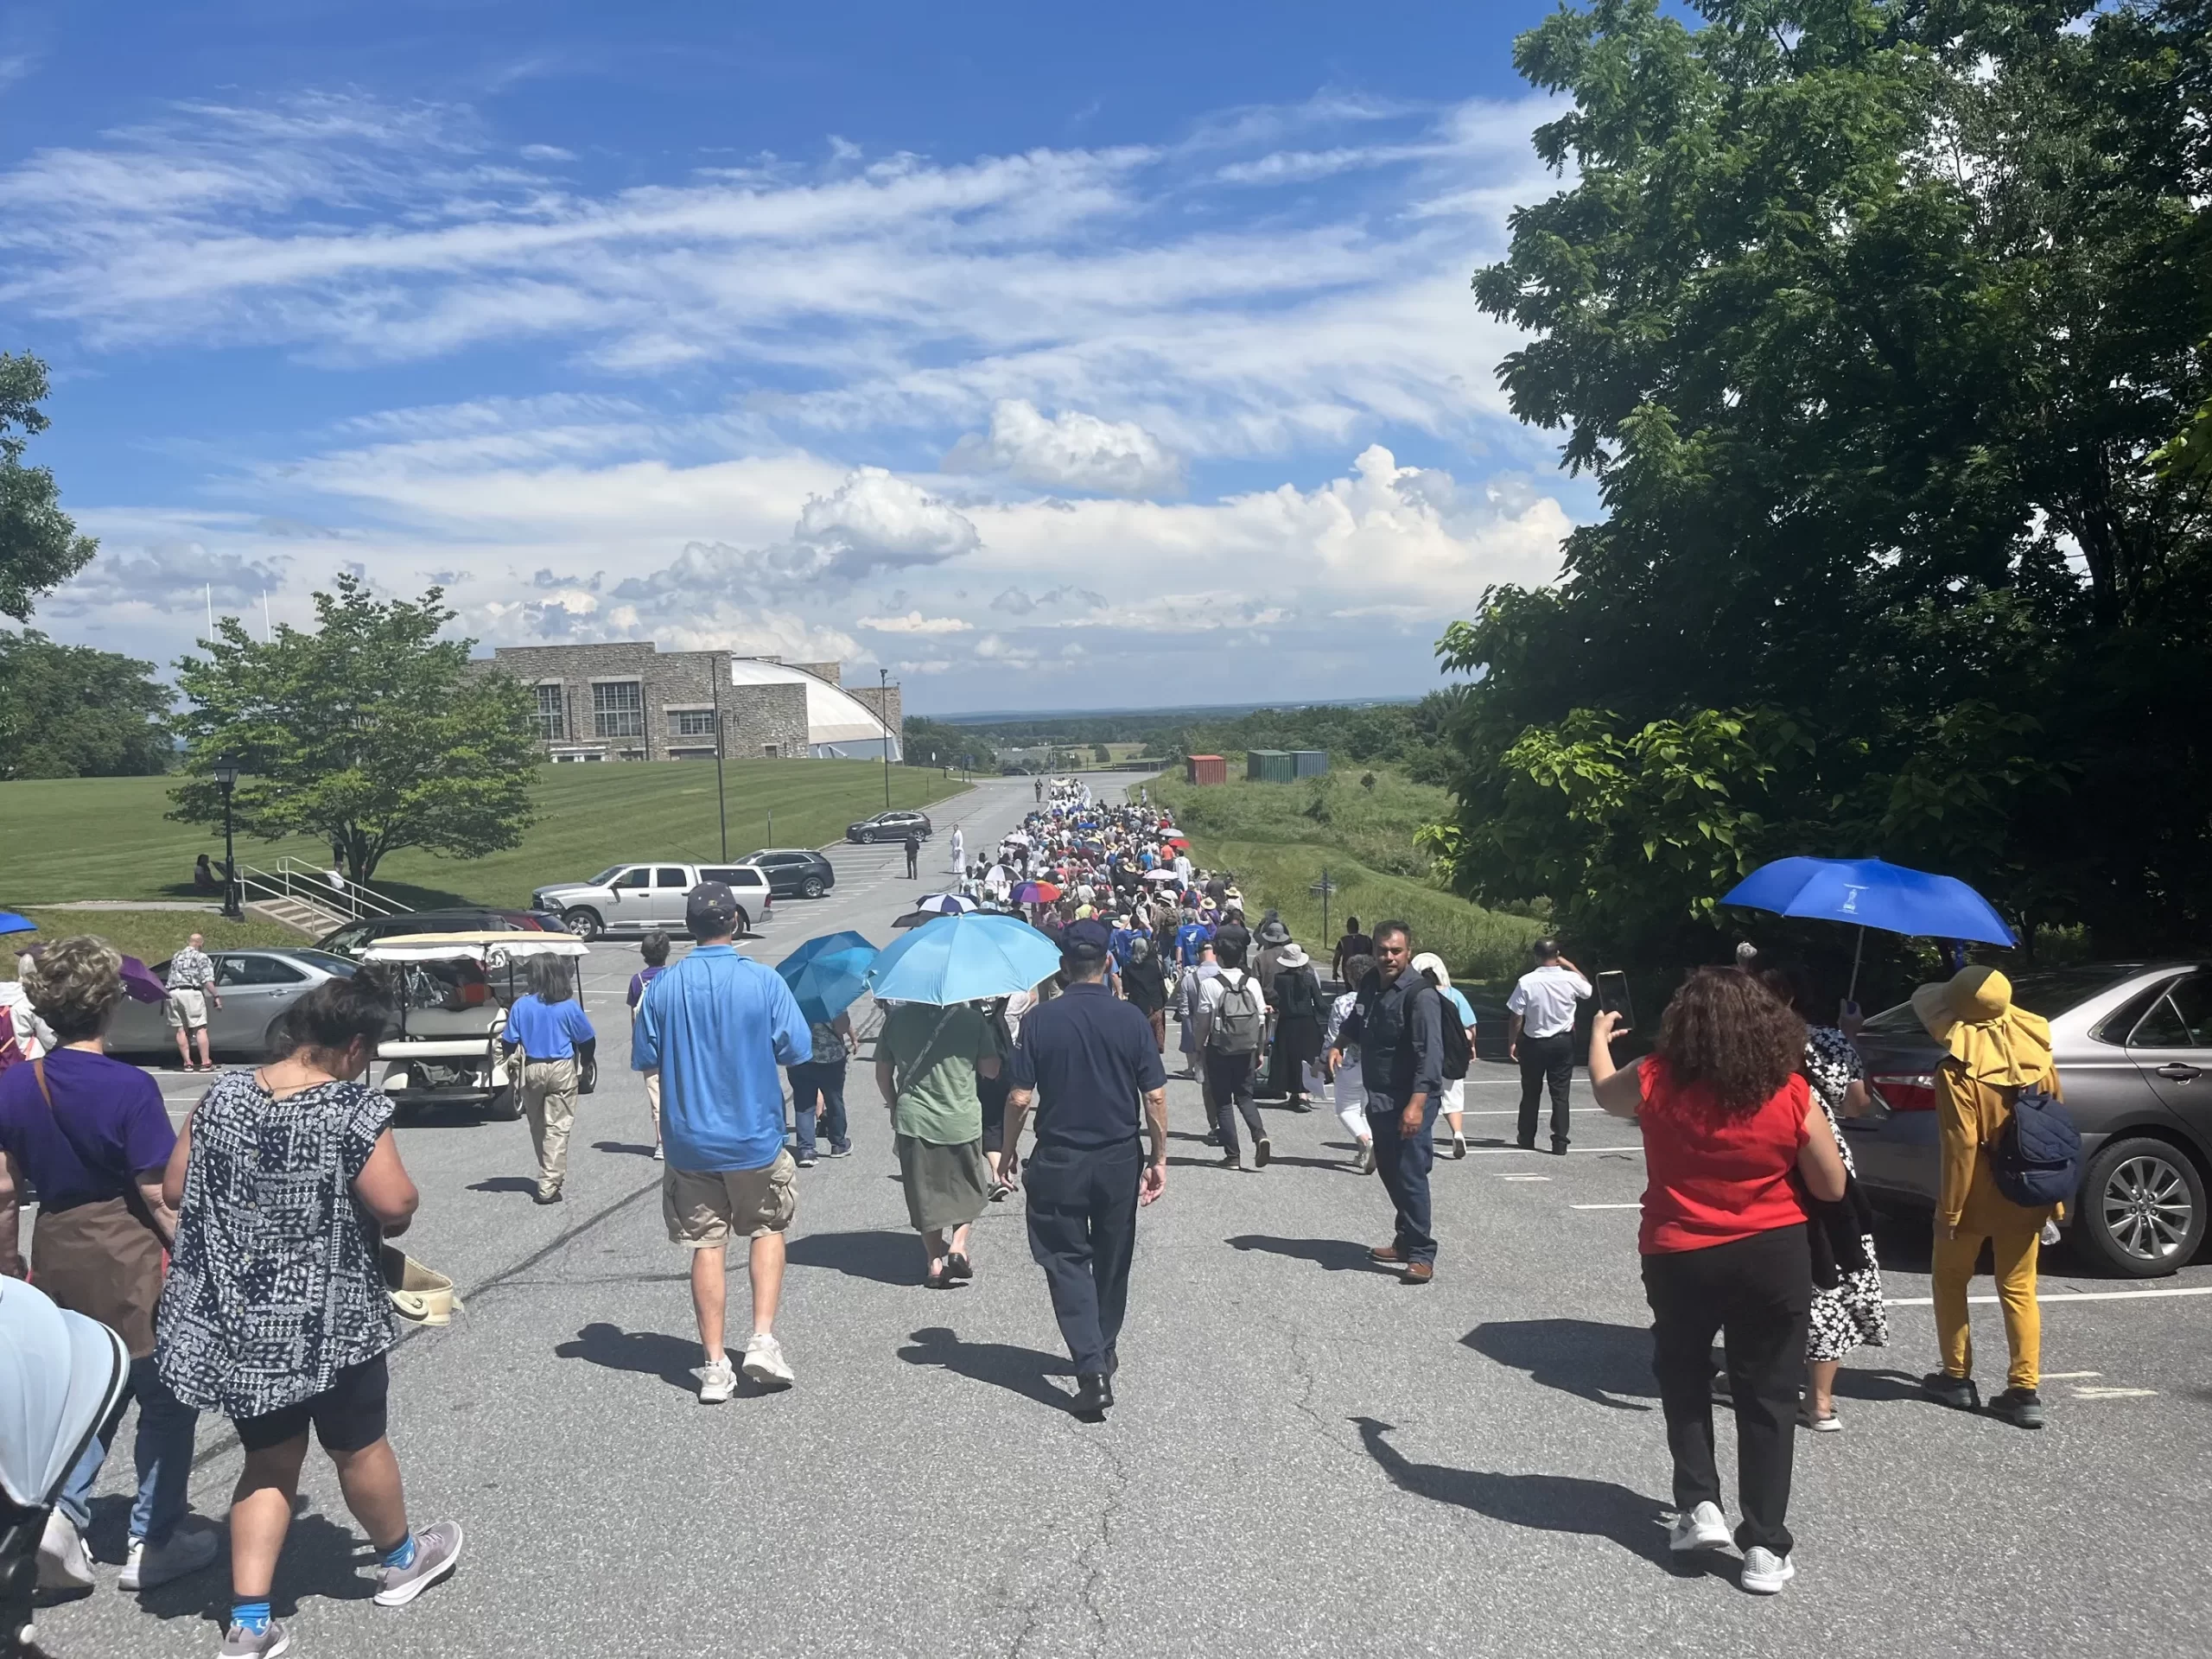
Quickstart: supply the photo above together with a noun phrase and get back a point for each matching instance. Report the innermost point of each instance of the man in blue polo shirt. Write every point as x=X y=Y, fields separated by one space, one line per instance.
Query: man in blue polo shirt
x=717 y=1026
x=1087 y=1060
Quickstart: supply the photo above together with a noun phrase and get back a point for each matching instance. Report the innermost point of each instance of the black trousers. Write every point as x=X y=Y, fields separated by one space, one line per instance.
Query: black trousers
x=1230 y=1078
x=1546 y=1060
x=914 y=864
x=1082 y=1231
x=1403 y=1161
x=1759 y=1292
x=991 y=1093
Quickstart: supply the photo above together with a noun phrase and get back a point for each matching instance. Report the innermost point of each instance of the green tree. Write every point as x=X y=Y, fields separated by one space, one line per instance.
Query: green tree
x=1866 y=317
x=40 y=548
x=1101 y=753
x=69 y=711
x=369 y=731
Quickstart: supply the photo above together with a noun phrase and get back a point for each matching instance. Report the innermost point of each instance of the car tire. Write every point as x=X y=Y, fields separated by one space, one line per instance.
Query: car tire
x=584 y=924
x=272 y=1037
x=744 y=922
x=505 y=1105
x=812 y=888
x=2142 y=1208
x=867 y=837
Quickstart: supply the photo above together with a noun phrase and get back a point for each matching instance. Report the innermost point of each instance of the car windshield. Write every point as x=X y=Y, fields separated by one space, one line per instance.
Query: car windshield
x=2048 y=993
x=606 y=875
x=324 y=960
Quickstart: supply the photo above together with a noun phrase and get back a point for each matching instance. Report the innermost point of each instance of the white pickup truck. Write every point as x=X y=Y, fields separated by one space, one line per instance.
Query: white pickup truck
x=638 y=897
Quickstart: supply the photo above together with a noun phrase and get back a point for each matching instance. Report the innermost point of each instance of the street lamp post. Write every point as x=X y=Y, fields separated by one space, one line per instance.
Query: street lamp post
x=226 y=779
x=883 y=718
x=721 y=801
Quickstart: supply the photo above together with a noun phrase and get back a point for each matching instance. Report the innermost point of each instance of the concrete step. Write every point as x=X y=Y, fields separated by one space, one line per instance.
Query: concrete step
x=311 y=920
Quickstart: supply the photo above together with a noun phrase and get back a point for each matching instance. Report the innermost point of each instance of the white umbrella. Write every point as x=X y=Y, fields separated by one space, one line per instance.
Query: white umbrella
x=1161 y=876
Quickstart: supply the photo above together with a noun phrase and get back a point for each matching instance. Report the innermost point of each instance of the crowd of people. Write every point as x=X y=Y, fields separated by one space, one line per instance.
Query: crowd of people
x=240 y=1257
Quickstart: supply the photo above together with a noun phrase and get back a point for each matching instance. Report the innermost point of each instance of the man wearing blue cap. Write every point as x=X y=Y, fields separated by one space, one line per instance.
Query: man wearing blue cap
x=1088 y=1062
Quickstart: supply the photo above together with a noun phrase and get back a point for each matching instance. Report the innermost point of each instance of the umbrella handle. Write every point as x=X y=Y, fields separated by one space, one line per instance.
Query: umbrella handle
x=1851 y=995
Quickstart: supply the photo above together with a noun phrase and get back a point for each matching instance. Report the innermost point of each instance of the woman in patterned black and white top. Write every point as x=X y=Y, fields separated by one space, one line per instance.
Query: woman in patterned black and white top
x=275 y=1313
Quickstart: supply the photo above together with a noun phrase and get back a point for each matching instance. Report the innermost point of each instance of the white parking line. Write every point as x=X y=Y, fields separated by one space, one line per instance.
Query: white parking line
x=1601 y=1206
x=2067 y=1296
x=2113 y=1394
x=1524 y=1177
x=1526 y=1152
x=2069 y=1376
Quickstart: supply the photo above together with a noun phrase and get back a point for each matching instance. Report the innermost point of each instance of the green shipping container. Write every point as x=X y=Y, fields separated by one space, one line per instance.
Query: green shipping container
x=1269 y=767
x=1309 y=763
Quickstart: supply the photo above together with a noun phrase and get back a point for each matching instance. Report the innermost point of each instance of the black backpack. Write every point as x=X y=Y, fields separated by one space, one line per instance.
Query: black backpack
x=1458 y=1049
x=2037 y=1158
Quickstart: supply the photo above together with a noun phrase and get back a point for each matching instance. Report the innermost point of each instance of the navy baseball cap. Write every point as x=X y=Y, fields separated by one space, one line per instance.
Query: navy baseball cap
x=1086 y=938
x=710 y=910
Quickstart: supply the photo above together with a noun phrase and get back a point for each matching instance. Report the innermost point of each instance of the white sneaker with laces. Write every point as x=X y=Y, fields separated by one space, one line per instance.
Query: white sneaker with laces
x=1764 y=1571
x=717 y=1381
x=764 y=1363
x=63 y=1562
x=1703 y=1528
x=152 y=1565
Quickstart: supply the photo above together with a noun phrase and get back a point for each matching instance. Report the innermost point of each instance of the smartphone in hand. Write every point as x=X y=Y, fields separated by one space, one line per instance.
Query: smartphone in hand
x=1612 y=998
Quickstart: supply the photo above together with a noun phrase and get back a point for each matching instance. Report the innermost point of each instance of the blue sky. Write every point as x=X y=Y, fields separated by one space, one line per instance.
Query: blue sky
x=1047 y=359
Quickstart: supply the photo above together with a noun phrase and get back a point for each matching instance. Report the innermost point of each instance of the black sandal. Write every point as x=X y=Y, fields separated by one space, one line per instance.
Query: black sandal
x=956 y=1266
x=938 y=1278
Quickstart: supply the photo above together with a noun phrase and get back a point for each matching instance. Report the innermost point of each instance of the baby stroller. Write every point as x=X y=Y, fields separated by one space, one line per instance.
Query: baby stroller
x=62 y=1375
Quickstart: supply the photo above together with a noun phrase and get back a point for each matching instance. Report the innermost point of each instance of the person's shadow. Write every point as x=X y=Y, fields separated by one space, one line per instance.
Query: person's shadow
x=1592 y=1361
x=887 y=1258
x=675 y=1360
x=1334 y=1254
x=324 y=1560
x=504 y=1184
x=1018 y=1370
x=1599 y=1509
x=635 y=1150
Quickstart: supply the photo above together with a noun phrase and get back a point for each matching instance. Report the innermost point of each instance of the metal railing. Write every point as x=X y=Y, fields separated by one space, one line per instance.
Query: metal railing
x=295 y=879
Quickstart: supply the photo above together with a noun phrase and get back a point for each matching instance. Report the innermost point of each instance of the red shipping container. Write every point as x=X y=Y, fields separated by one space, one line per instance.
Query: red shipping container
x=1205 y=769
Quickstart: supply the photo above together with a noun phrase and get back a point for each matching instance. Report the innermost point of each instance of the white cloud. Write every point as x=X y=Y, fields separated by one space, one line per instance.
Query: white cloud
x=1072 y=450
x=876 y=522
x=915 y=622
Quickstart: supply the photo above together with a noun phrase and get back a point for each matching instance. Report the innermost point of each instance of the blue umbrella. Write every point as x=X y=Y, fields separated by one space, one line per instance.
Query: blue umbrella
x=11 y=923
x=1871 y=893
x=946 y=903
x=827 y=974
x=964 y=958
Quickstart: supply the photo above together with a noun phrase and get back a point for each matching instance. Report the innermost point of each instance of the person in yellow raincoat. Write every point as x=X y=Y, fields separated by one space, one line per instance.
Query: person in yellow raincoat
x=1993 y=1050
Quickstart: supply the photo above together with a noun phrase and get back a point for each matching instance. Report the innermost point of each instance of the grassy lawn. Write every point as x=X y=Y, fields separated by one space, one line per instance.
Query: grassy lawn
x=148 y=934
x=105 y=837
x=1278 y=837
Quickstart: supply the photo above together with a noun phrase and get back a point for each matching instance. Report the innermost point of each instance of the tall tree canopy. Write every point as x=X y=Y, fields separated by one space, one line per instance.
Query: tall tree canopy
x=1867 y=317
x=40 y=548
x=69 y=711
x=369 y=731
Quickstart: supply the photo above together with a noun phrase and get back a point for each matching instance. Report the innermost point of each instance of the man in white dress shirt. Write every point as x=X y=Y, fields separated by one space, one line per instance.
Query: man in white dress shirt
x=1540 y=1035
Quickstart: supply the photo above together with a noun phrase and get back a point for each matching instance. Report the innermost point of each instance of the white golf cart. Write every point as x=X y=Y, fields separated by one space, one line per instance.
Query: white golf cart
x=453 y=991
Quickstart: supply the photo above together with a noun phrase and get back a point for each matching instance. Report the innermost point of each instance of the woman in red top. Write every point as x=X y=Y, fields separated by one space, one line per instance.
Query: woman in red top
x=1730 y=1130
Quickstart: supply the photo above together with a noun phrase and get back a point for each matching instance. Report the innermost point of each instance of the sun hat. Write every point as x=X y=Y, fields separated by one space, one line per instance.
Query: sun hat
x=1432 y=965
x=1293 y=956
x=1271 y=932
x=1971 y=1013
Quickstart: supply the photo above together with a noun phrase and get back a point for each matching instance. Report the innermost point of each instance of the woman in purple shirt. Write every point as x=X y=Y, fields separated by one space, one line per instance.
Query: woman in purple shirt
x=91 y=1135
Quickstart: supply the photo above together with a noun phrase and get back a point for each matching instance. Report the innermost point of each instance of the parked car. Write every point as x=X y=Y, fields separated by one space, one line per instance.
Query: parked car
x=889 y=826
x=794 y=872
x=258 y=989
x=2134 y=1045
x=638 y=897
x=356 y=937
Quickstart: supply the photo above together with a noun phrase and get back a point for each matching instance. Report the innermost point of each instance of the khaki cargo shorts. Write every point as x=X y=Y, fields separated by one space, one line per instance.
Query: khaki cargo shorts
x=703 y=1209
x=186 y=1009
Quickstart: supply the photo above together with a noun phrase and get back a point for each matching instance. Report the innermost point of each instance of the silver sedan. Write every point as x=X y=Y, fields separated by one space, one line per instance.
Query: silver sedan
x=258 y=989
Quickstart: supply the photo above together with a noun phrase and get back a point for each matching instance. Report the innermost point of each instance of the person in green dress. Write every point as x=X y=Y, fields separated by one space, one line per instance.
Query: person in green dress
x=927 y=1063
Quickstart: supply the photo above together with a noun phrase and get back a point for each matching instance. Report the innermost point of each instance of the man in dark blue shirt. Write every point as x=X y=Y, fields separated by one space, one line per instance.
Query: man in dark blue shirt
x=1399 y=1025
x=1086 y=1059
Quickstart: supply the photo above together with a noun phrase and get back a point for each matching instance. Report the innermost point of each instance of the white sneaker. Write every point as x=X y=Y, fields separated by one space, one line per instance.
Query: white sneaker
x=764 y=1363
x=717 y=1381
x=1764 y=1571
x=1703 y=1528
x=156 y=1564
x=62 y=1563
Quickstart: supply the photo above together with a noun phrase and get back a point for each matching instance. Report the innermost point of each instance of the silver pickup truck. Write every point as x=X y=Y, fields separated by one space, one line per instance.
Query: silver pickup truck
x=640 y=897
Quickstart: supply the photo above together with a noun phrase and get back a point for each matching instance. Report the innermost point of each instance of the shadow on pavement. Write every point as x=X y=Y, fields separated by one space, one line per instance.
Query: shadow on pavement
x=1018 y=1370
x=650 y=1353
x=1579 y=1356
x=505 y=1183
x=324 y=1560
x=1599 y=1509
x=622 y=1145
x=1337 y=1254
x=888 y=1258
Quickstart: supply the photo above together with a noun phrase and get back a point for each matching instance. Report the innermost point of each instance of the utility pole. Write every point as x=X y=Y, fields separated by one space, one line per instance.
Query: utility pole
x=883 y=717
x=721 y=801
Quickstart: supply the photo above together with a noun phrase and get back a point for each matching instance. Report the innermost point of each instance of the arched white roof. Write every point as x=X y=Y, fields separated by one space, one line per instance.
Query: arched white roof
x=833 y=713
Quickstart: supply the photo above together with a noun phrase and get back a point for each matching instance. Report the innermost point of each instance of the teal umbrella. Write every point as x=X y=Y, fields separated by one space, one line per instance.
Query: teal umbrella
x=963 y=959
x=828 y=975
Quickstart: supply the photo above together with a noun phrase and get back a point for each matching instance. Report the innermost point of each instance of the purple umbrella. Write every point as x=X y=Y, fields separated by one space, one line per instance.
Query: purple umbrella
x=139 y=981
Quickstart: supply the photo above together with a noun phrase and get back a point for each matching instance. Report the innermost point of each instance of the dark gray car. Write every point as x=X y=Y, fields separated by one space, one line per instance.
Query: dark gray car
x=2134 y=1045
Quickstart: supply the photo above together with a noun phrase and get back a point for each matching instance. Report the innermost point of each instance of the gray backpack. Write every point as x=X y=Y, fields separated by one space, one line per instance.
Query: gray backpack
x=1239 y=1017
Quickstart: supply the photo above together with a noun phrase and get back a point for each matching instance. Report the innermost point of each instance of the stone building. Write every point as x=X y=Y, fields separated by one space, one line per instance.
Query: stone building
x=631 y=701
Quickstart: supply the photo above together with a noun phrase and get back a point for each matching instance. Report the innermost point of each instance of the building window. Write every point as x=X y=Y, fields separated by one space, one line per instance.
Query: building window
x=768 y=752
x=551 y=719
x=618 y=708
x=695 y=723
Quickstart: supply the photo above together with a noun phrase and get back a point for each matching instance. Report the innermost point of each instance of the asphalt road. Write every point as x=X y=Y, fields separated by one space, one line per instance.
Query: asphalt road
x=1308 y=1457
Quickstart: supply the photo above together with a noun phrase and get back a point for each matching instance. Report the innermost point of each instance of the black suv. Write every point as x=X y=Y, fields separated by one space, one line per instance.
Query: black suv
x=889 y=826
x=794 y=872
x=352 y=939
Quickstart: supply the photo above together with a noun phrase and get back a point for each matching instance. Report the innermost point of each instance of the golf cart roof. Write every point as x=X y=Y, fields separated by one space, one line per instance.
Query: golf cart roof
x=478 y=945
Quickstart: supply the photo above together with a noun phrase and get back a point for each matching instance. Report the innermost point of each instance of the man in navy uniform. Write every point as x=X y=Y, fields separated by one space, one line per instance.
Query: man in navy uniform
x=1086 y=1059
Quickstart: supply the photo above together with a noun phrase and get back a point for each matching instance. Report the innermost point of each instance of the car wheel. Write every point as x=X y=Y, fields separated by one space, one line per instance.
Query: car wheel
x=505 y=1105
x=867 y=837
x=584 y=924
x=2142 y=1207
x=744 y=922
x=812 y=888
x=272 y=1038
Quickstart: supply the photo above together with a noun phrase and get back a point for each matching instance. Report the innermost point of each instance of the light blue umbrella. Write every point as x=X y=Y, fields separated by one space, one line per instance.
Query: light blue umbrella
x=962 y=959
x=826 y=974
x=11 y=923
x=1866 y=893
